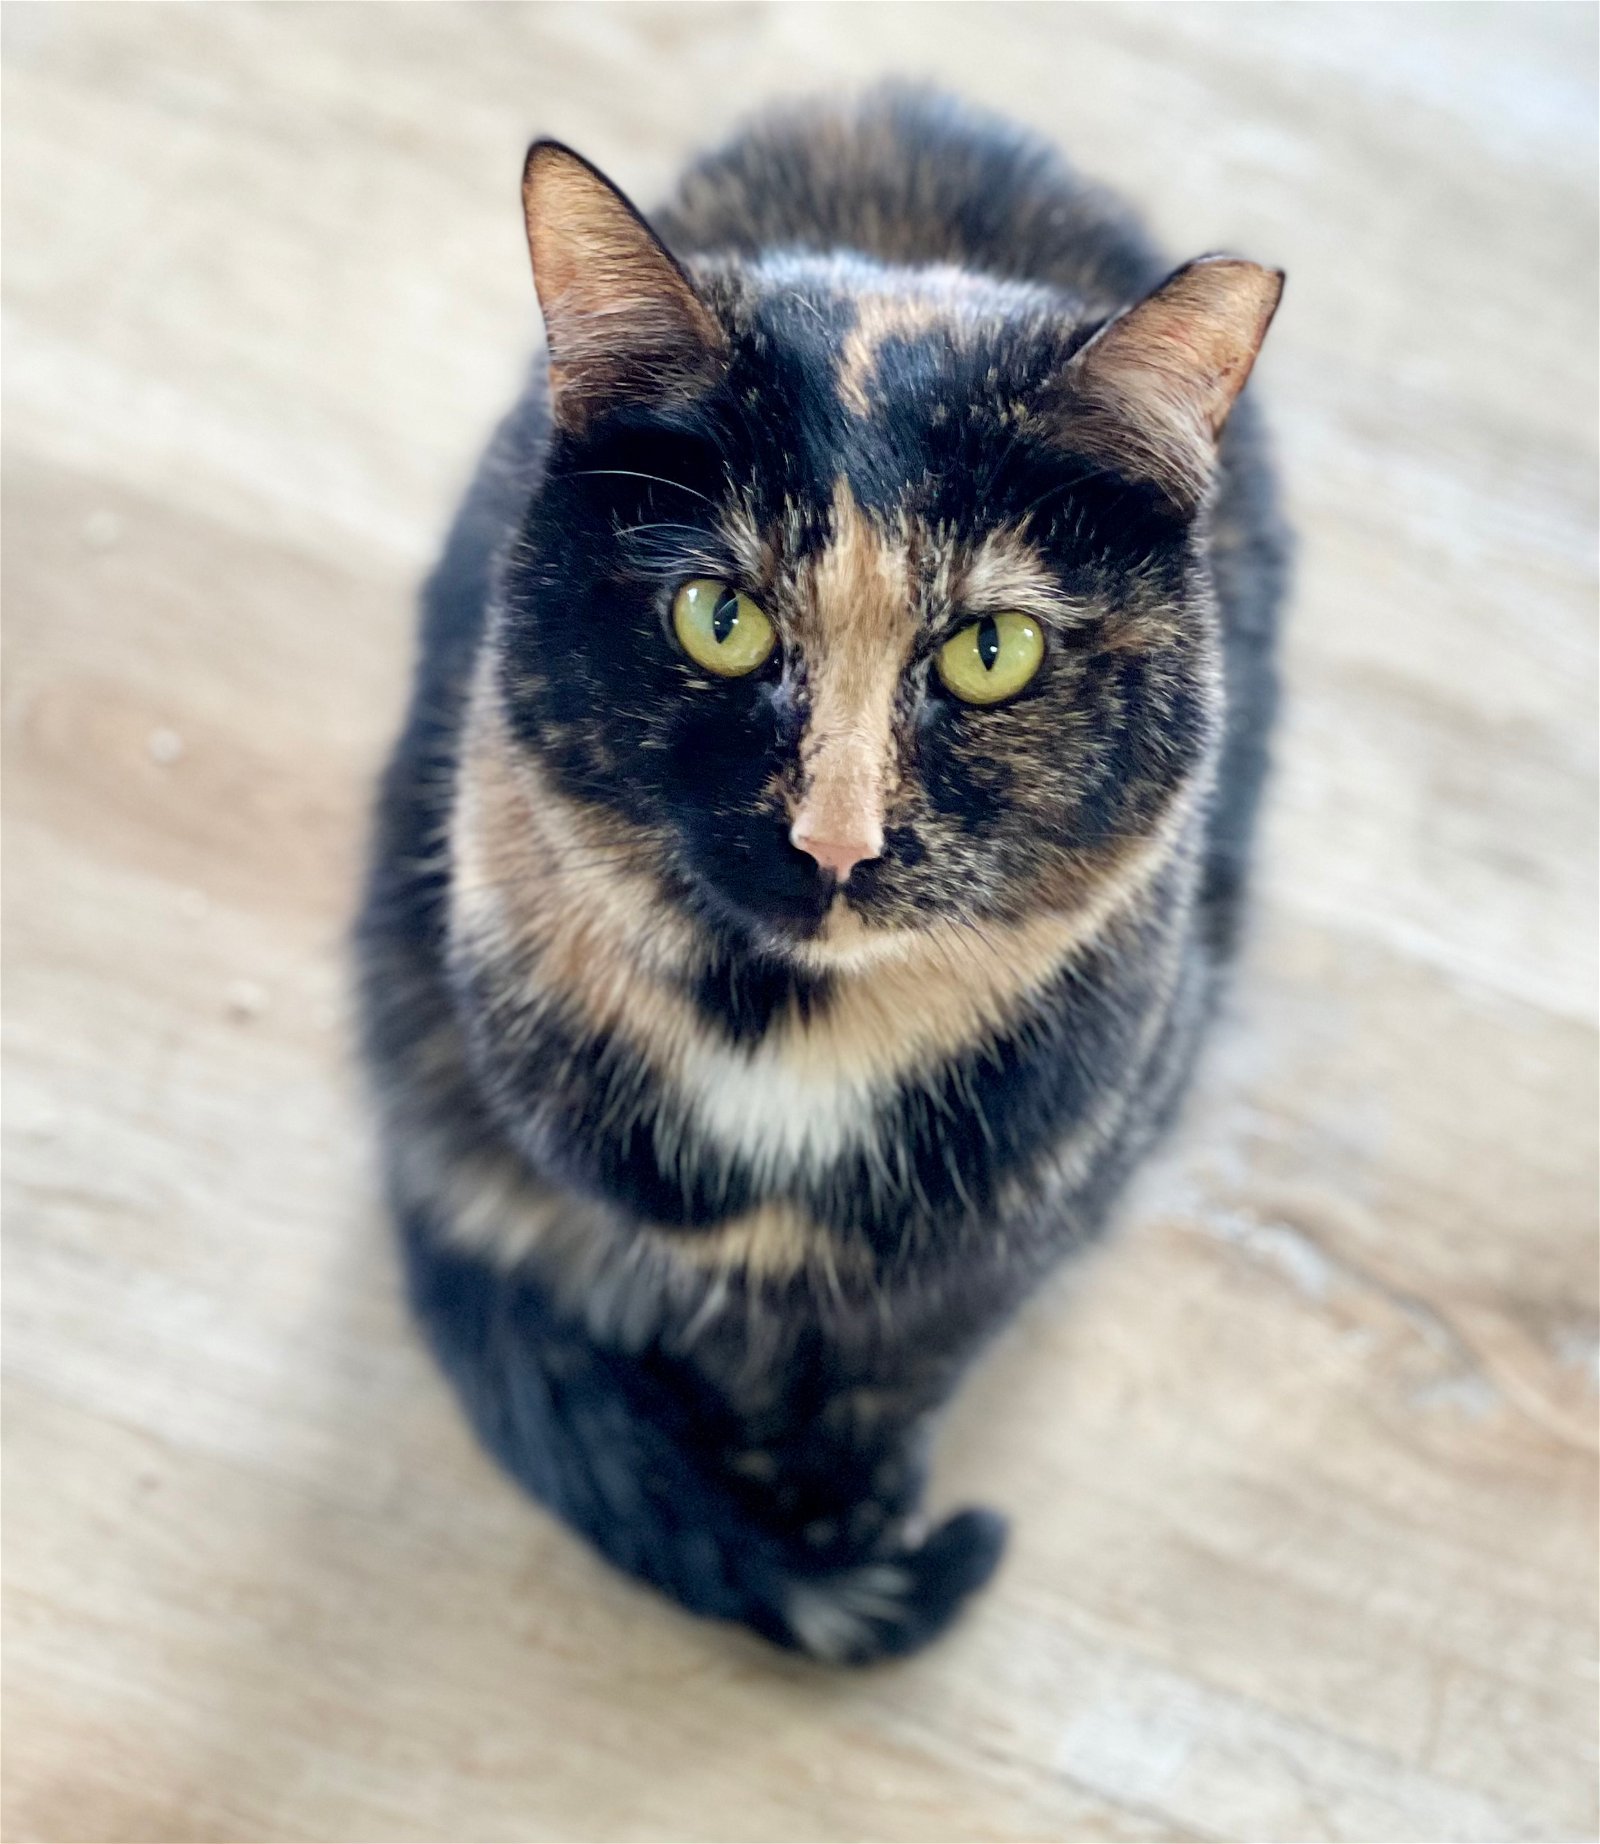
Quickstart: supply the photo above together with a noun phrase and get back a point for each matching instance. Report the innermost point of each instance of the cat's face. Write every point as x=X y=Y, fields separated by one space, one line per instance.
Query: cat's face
x=852 y=594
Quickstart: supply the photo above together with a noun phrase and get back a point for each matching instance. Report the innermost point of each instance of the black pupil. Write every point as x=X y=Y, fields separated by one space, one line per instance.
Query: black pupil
x=988 y=642
x=725 y=616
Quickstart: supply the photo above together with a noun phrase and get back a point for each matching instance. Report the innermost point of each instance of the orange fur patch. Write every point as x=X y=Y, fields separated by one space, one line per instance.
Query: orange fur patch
x=878 y=318
x=940 y=298
x=857 y=631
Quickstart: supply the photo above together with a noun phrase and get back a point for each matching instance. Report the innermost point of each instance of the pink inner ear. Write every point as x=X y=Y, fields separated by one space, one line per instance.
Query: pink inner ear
x=1170 y=369
x=620 y=315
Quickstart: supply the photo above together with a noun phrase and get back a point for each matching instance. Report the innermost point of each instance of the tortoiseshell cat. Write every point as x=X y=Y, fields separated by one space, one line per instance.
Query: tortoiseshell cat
x=821 y=815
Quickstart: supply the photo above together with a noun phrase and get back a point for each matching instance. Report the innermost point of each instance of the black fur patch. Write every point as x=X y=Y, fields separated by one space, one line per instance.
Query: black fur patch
x=744 y=994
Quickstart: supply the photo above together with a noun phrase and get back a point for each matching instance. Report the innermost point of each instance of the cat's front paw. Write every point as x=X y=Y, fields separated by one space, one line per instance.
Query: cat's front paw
x=898 y=1601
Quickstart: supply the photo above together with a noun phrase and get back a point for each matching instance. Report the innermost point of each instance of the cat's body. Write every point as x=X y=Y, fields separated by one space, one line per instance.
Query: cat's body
x=713 y=1173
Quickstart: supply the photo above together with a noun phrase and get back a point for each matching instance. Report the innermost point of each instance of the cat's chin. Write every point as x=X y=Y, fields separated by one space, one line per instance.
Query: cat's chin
x=837 y=938
x=847 y=942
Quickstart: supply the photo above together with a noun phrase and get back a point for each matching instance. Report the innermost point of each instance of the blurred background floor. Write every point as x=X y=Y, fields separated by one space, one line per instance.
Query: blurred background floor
x=1302 y=1462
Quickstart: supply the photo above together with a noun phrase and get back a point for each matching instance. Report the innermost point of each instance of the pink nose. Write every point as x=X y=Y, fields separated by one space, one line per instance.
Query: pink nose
x=841 y=856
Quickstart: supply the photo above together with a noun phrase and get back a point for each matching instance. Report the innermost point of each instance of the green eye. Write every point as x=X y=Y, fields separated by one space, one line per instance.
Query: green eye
x=721 y=629
x=992 y=659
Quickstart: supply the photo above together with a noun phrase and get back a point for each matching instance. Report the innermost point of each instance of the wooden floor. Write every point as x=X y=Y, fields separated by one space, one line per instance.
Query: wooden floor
x=1302 y=1463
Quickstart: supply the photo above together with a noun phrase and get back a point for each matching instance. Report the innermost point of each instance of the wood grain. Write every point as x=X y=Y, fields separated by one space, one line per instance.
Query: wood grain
x=1302 y=1461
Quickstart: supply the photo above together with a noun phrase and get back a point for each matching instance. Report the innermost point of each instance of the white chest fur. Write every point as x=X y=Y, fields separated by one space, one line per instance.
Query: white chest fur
x=777 y=1111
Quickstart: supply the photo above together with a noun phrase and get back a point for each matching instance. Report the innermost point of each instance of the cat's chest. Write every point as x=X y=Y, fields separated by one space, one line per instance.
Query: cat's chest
x=833 y=1078
x=830 y=1081
x=782 y=1106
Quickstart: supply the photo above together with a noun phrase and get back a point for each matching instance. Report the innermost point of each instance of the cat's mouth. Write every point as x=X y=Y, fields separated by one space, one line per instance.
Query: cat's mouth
x=820 y=924
x=782 y=903
x=852 y=936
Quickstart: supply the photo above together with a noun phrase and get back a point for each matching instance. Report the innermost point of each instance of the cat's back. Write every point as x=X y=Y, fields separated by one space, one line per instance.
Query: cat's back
x=912 y=177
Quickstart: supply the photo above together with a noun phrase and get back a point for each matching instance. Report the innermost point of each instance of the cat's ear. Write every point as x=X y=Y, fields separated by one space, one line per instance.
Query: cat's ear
x=1153 y=388
x=622 y=320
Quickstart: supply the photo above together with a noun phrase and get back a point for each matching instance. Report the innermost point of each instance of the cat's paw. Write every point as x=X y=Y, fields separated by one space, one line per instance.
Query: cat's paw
x=897 y=1602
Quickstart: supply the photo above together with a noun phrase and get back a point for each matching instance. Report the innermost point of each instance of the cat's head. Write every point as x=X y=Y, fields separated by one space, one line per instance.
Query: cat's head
x=860 y=599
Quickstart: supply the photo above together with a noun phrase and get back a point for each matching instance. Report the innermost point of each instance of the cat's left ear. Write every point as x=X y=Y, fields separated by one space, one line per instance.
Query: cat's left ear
x=1153 y=388
x=622 y=320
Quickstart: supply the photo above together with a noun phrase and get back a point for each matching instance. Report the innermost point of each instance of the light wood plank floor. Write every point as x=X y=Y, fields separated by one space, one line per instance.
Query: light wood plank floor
x=1302 y=1462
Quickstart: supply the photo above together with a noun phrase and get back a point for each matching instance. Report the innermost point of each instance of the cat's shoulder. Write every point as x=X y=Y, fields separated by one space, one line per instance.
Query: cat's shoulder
x=912 y=175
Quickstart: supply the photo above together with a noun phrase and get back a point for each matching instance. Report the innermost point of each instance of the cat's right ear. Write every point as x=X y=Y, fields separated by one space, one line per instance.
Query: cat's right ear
x=622 y=320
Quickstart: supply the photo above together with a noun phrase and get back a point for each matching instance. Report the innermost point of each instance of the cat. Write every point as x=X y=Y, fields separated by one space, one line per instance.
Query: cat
x=819 y=824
